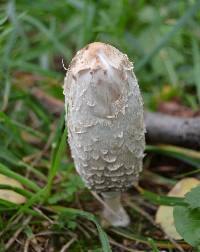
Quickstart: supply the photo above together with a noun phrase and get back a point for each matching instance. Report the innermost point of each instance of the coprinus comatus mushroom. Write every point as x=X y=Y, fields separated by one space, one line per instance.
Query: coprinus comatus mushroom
x=105 y=123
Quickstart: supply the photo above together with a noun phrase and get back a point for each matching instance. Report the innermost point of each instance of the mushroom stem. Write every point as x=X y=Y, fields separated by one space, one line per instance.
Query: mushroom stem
x=114 y=212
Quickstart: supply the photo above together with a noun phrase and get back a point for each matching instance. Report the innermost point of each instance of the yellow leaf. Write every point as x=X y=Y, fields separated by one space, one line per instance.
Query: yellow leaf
x=164 y=215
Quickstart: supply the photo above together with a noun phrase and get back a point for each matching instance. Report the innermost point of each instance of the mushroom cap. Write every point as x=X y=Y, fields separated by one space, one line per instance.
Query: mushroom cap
x=104 y=118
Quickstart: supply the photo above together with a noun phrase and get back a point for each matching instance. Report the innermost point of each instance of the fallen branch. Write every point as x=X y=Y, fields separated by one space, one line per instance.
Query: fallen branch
x=161 y=128
x=173 y=130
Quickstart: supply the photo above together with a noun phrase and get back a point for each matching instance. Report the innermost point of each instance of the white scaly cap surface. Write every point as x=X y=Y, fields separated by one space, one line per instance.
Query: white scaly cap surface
x=104 y=118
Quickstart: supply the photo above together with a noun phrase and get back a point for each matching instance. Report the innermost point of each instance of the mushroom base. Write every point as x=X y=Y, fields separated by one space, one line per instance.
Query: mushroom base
x=114 y=212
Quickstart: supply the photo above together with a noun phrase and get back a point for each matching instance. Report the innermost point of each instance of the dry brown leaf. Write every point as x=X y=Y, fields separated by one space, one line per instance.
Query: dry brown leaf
x=29 y=138
x=164 y=215
x=8 y=194
x=52 y=104
x=177 y=109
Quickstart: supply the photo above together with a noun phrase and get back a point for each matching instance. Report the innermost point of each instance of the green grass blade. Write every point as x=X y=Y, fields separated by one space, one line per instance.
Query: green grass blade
x=10 y=157
x=34 y=68
x=102 y=235
x=8 y=204
x=131 y=236
x=162 y=200
x=4 y=118
x=24 y=181
x=153 y=245
x=57 y=136
x=180 y=23
x=56 y=161
x=189 y=156
x=18 y=190
x=58 y=46
x=36 y=198
x=196 y=62
x=6 y=92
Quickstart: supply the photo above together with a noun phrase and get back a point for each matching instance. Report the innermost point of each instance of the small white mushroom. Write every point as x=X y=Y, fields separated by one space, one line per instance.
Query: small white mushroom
x=105 y=123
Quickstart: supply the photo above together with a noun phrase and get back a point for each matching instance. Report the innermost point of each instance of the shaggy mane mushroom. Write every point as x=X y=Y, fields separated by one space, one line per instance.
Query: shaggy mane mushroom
x=105 y=124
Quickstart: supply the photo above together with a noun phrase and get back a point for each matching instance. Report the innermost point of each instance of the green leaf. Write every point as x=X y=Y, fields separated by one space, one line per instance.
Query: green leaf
x=192 y=197
x=187 y=223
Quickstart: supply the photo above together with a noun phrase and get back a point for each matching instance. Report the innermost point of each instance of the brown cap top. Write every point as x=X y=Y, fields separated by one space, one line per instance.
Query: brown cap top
x=99 y=55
